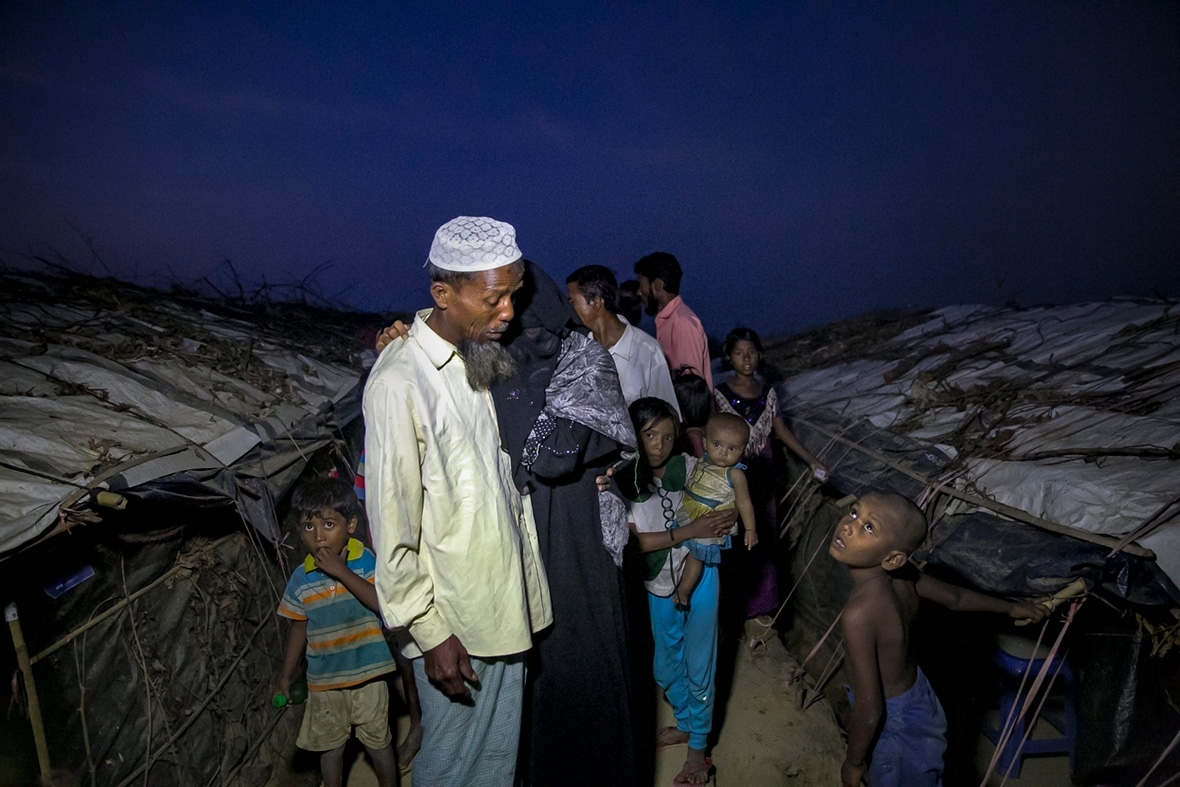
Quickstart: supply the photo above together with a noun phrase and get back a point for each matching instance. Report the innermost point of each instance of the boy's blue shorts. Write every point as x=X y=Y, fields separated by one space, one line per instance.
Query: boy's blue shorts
x=913 y=739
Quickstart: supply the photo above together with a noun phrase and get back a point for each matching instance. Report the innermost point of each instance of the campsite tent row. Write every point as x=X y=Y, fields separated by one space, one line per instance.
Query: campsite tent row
x=161 y=432
x=1068 y=414
x=116 y=389
x=1040 y=439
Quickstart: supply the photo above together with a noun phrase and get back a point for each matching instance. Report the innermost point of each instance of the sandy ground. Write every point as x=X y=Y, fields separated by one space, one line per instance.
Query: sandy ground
x=765 y=740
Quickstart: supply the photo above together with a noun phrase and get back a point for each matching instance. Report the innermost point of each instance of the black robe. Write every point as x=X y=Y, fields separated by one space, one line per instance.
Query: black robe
x=578 y=722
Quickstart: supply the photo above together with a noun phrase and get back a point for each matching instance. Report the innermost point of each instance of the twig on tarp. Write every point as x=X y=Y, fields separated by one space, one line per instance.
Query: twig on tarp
x=266 y=733
x=1009 y=511
x=80 y=674
x=197 y=711
x=1091 y=454
x=147 y=682
x=112 y=610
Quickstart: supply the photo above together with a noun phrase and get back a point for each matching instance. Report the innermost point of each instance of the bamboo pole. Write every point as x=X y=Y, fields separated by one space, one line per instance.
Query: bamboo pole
x=89 y=488
x=197 y=711
x=22 y=660
x=999 y=508
x=114 y=608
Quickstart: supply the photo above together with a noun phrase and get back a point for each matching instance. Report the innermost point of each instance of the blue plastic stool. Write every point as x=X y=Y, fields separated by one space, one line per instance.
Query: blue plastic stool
x=1065 y=723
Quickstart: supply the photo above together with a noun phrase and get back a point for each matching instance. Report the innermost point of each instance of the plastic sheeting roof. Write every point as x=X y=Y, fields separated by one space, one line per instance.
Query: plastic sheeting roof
x=102 y=381
x=1071 y=414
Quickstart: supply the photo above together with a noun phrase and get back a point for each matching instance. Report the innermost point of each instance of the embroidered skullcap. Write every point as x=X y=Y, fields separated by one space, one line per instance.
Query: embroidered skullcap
x=474 y=243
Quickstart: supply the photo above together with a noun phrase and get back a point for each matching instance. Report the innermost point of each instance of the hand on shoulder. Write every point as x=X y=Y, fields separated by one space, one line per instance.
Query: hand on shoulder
x=399 y=330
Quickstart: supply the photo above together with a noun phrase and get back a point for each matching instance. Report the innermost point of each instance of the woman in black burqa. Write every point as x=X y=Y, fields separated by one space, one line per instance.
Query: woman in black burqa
x=563 y=420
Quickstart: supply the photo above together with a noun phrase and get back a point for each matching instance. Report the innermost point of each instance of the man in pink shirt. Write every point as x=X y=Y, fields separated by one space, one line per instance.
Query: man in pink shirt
x=678 y=329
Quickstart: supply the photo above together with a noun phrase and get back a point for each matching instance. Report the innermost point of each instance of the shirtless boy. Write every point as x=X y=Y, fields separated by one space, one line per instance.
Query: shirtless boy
x=889 y=691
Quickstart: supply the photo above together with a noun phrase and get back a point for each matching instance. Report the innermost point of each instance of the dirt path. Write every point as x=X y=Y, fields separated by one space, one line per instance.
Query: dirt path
x=765 y=740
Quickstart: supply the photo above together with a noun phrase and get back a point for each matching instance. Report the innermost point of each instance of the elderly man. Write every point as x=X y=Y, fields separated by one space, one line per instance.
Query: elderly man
x=594 y=293
x=457 y=557
x=678 y=329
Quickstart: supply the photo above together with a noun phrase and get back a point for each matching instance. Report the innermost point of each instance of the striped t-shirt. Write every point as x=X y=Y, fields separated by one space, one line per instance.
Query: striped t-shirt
x=345 y=646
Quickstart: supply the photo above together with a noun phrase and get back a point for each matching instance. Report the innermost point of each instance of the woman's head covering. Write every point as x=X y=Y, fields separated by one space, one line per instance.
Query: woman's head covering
x=533 y=339
x=562 y=374
x=541 y=303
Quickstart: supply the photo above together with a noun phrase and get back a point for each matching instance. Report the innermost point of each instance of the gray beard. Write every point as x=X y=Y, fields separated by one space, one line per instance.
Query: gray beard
x=487 y=363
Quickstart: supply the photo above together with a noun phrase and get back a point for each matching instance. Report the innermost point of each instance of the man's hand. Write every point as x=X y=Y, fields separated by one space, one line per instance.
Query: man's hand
x=399 y=330
x=449 y=668
x=851 y=775
x=1033 y=611
x=750 y=539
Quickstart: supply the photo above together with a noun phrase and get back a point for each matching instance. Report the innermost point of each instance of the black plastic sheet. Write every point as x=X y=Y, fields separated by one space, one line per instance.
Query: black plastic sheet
x=1126 y=704
x=1011 y=558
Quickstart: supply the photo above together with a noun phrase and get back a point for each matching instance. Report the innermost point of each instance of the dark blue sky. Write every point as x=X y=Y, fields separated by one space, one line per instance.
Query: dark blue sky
x=804 y=162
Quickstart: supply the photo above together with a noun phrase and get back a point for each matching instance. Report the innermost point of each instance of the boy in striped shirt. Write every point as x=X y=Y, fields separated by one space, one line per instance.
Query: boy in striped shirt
x=331 y=602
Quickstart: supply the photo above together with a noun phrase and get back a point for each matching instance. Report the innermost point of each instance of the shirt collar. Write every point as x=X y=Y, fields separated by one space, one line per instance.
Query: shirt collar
x=438 y=350
x=672 y=306
x=355 y=550
x=626 y=342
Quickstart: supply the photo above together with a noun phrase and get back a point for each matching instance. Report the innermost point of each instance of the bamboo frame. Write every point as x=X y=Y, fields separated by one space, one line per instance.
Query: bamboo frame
x=197 y=711
x=114 y=608
x=999 y=508
x=26 y=667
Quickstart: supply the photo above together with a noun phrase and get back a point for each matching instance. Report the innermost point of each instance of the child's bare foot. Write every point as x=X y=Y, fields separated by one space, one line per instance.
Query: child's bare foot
x=668 y=737
x=698 y=769
x=408 y=749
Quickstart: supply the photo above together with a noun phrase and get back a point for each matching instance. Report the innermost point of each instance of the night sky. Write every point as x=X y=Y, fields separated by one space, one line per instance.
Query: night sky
x=805 y=163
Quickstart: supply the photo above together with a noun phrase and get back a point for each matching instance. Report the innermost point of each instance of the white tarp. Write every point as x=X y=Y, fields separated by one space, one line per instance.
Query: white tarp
x=86 y=388
x=1056 y=402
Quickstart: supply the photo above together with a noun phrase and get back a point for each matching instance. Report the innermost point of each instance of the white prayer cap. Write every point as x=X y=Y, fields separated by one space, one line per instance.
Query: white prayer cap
x=474 y=243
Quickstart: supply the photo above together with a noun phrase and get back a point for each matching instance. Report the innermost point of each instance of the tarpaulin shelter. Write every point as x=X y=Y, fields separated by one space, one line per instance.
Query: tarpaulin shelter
x=1044 y=444
x=146 y=440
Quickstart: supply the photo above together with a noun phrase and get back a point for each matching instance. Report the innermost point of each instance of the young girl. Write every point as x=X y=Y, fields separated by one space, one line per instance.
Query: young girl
x=747 y=396
x=685 y=640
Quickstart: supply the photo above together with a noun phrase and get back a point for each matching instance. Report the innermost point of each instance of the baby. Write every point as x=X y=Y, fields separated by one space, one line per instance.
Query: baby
x=717 y=483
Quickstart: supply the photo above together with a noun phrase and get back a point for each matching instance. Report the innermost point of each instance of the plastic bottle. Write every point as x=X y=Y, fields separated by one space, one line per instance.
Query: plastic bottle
x=296 y=695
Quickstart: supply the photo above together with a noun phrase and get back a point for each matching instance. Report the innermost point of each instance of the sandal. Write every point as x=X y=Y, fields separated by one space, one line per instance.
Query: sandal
x=705 y=767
